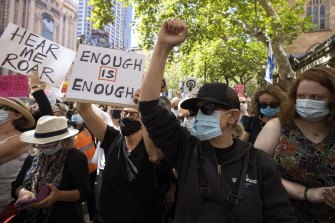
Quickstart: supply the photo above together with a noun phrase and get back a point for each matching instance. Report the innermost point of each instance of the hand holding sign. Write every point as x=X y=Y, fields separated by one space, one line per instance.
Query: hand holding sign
x=25 y=52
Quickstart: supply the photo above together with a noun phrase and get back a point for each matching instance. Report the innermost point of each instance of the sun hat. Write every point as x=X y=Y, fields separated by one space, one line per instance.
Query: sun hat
x=22 y=108
x=218 y=93
x=48 y=129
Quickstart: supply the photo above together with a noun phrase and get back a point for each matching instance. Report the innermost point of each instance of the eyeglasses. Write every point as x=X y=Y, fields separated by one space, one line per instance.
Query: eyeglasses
x=175 y=107
x=206 y=109
x=272 y=105
x=131 y=114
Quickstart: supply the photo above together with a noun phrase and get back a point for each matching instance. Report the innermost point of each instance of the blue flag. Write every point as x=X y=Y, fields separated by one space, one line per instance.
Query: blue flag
x=270 y=65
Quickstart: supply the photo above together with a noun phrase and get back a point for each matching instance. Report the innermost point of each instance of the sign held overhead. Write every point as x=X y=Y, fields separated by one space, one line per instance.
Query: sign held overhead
x=25 y=52
x=105 y=76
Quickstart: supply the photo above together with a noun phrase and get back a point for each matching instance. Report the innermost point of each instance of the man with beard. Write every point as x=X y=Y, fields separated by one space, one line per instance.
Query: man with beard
x=128 y=184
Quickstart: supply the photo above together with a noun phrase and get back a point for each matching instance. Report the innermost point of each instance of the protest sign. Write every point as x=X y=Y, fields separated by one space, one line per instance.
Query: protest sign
x=14 y=86
x=190 y=85
x=25 y=52
x=105 y=76
x=239 y=89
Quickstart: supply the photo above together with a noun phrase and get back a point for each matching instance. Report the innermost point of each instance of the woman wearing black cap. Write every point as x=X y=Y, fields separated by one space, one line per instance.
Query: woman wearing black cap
x=221 y=178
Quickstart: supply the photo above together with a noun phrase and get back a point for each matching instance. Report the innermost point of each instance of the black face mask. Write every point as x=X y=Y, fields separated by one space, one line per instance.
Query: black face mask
x=129 y=126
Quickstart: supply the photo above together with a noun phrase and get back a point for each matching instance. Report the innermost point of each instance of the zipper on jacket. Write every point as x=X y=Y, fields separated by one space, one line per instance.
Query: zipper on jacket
x=219 y=169
x=219 y=166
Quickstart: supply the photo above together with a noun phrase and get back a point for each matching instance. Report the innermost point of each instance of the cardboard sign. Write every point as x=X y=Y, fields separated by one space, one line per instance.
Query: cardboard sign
x=239 y=89
x=105 y=76
x=190 y=85
x=25 y=52
x=14 y=86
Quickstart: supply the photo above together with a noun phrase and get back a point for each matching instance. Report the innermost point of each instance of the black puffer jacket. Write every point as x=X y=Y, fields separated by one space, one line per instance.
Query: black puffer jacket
x=264 y=197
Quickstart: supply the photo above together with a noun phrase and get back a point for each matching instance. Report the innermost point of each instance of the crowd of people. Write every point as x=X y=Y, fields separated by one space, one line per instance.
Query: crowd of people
x=215 y=157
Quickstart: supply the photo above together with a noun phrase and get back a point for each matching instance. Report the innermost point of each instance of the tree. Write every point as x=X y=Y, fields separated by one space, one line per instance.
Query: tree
x=210 y=20
x=102 y=13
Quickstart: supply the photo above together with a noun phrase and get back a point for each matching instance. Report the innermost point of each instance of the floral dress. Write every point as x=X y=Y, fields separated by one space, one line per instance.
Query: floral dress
x=299 y=159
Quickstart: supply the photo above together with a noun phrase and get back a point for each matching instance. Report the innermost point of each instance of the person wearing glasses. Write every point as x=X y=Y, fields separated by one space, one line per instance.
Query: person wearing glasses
x=302 y=141
x=220 y=178
x=128 y=183
x=265 y=105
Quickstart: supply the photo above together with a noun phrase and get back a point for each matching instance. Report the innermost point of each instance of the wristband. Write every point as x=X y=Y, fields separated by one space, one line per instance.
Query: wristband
x=33 y=87
x=305 y=194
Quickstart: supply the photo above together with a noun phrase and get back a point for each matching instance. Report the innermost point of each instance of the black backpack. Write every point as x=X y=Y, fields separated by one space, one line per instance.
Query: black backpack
x=215 y=212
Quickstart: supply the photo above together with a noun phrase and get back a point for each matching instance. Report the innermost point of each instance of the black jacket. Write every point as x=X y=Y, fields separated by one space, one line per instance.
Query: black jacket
x=264 y=197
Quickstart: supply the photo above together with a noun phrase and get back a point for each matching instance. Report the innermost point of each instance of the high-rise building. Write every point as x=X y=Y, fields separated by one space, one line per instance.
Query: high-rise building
x=119 y=32
x=52 y=19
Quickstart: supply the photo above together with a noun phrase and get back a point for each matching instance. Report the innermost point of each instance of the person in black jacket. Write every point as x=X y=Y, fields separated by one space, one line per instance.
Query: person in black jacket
x=210 y=160
x=57 y=166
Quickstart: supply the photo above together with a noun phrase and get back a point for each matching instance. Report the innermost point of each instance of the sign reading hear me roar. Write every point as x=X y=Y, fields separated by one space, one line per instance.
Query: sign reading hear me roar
x=105 y=76
x=25 y=52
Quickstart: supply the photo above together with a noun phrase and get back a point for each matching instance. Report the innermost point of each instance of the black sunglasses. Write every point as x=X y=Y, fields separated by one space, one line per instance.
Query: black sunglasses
x=206 y=109
x=272 y=105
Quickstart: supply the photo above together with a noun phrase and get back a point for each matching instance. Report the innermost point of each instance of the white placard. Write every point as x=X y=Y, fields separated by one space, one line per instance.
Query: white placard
x=190 y=85
x=25 y=52
x=105 y=76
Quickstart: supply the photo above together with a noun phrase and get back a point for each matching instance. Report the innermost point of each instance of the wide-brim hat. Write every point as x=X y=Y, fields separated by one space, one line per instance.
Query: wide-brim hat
x=218 y=93
x=48 y=129
x=19 y=106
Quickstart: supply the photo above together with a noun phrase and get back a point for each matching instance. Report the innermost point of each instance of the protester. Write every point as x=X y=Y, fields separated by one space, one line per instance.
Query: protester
x=59 y=166
x=14 y=117
x=128 y=187
x=265 y=105
x=224 y=163
x=243 y=106
x=302 y=140
x=85 y=142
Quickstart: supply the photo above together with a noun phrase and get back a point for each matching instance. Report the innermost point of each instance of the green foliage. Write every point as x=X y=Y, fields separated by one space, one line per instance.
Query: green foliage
x=102 y=13
x=222 y=44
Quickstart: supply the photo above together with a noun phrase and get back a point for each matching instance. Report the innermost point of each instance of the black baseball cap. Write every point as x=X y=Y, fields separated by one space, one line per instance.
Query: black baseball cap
x=218 y=93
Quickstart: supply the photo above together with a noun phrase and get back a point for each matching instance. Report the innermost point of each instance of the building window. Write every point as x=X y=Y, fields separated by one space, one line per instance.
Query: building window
x=47 y=26
x=318 y=11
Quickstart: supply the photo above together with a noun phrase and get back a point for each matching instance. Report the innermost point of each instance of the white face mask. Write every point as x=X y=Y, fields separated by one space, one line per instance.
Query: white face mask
x=188 y=123
x=312 y=110
x=243 y=107
x=175 y=112
x=4 y=116
x=52 y=150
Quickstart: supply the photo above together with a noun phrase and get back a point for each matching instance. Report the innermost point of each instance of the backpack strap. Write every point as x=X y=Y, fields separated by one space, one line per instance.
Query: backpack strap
x=236 y=192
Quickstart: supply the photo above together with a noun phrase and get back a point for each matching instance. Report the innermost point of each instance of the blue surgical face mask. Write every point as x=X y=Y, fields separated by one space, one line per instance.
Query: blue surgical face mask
x=76 y=118
x=207 y=126
x=268 y=111
x=52 y=150
x=312 y=110
x=3 y=116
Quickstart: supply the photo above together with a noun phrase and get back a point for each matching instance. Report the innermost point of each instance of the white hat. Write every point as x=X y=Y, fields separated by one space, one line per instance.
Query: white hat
x=48 y=129
x=21 y=108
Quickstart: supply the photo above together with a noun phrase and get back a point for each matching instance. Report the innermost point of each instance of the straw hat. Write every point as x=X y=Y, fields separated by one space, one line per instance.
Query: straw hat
x=48 y=129
x=19 y=106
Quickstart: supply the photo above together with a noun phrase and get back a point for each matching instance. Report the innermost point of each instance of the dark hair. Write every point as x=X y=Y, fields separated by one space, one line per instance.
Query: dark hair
x=274 y=90
x=322 y=75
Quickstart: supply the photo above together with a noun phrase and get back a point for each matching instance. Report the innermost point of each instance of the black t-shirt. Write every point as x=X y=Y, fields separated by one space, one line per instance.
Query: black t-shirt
x=128 y=185
x=253 y=125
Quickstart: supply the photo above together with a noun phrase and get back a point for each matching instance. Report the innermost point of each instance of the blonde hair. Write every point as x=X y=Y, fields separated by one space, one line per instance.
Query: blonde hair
x=237 y=130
